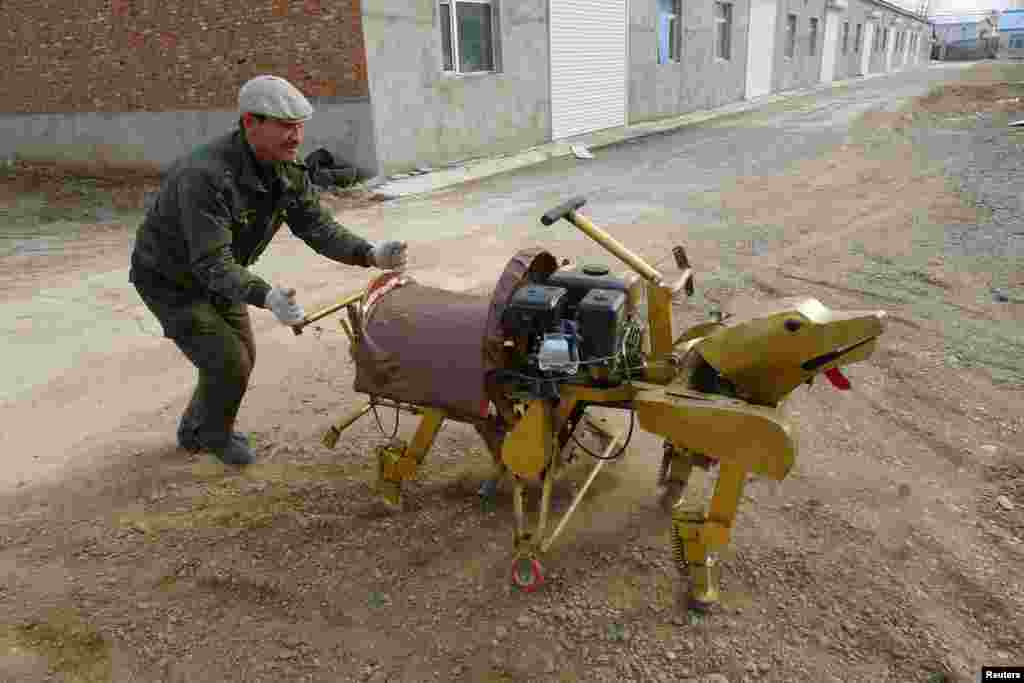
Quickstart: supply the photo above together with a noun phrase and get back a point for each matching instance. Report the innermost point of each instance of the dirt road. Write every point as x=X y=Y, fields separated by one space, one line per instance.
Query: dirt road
x=893 y=551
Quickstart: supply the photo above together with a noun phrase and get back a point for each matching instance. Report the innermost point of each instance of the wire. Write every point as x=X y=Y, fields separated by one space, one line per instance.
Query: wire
x=629 y=437
x=376 y=416
x=632 y=413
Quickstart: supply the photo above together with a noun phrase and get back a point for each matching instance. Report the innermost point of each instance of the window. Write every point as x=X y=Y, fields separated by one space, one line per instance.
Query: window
x=857 y=39
x=723 y=28
x=814 y=36
x=467 y=38
x=846 y=36
x=790 y=35
x=885 y=40
x=670 y=13
x=876 y=40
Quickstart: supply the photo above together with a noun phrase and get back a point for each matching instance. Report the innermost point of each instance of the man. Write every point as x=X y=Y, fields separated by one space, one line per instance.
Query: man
x=217 y=209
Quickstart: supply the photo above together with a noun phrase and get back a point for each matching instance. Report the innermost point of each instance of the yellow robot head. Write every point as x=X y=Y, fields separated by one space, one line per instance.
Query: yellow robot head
x=766 y=354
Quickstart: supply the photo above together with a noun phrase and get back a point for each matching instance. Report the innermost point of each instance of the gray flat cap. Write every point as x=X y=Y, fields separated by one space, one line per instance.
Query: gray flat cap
x=274 y=97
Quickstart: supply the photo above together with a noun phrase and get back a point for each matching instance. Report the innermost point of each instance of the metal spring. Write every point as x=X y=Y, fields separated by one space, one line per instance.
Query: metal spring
x=679 y=551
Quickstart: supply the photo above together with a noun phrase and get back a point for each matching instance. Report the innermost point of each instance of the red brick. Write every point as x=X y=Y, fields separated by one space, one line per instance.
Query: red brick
x=138 y=55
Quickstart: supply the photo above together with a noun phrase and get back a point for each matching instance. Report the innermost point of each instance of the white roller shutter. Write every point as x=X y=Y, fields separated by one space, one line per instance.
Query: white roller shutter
x=588 y=66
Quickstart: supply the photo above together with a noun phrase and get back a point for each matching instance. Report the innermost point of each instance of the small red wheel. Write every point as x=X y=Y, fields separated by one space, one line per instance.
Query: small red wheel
x=527 y=574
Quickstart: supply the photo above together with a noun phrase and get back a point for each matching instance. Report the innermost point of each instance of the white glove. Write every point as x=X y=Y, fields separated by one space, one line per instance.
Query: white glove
x=390 y=255
x=282 y=303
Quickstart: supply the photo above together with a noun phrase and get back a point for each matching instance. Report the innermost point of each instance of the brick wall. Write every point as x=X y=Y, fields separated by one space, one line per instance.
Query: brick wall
x=161 y=55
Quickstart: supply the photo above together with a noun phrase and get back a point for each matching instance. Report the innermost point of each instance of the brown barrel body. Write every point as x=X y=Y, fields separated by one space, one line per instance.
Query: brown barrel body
x=434 y=347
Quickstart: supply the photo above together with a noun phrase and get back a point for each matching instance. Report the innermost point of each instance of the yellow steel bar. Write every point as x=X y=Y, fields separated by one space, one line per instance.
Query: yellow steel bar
x=615 y=247
x=333 y=433
x=327 y=310
x=517 y=508
x=430 y=425
x=576 y=392
x=550 y=472
x=659 y=334
x=579 y=494
x=724 y=502
x=545 y=497
x=348 y=331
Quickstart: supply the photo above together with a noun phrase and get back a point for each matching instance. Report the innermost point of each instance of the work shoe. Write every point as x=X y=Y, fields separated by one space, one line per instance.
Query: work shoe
x=237 y=452
x=191 y=443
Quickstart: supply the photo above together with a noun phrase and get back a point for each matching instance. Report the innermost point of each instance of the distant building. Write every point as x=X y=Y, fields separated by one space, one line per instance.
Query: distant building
x=404 y=84
x=1011 y=34
x=965 y=37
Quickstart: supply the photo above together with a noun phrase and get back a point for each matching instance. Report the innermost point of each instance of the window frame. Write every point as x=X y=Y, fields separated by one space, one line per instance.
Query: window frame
x=813 y=37
x=675 y=44
x=453 y=36
x=789 y=50
x=723 y=35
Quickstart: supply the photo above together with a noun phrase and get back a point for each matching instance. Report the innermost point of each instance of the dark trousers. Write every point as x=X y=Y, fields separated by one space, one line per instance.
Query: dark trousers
x=218 y=340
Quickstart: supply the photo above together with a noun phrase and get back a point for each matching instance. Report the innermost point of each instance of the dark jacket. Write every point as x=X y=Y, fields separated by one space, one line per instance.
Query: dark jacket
x=216 y=212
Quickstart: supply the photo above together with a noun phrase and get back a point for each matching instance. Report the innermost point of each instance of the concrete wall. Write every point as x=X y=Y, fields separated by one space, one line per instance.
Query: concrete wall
x=847 y=64
x=878 y=56
x=148 y=141
x=983 y=48
x=802 y=69
x=1007 y=52
x=851 y=61
x=700 y=80
x=425 y=117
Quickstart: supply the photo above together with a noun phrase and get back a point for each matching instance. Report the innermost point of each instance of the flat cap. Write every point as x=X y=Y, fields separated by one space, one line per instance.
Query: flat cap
x=275 y=97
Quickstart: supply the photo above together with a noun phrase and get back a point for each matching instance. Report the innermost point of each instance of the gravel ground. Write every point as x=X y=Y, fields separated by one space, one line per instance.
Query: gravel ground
x=887 y=555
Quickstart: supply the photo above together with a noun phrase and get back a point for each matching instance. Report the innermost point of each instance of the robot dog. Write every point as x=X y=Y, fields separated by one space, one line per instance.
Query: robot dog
x=523 y=365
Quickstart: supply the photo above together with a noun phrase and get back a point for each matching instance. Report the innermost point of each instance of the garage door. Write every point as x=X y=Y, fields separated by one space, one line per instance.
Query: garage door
x=588 y=66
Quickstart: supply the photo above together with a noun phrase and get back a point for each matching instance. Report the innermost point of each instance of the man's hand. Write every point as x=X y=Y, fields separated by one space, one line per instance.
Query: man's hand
x=390 y=255
x=282 y=303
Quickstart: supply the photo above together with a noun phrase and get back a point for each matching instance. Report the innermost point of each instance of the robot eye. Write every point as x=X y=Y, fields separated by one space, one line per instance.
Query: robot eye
x=792 y=325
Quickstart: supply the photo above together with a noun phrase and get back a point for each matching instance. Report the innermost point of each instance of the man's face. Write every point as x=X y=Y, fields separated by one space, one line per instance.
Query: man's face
x=274 y=139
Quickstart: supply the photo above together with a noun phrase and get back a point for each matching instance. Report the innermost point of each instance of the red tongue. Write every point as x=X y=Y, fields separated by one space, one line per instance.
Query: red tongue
x=838 y=379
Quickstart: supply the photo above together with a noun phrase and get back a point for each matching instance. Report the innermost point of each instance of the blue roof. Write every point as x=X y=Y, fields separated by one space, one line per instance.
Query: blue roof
x=1010 y=20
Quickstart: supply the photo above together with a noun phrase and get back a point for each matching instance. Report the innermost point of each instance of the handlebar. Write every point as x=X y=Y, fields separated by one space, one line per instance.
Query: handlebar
x=347 y=300
x=569 y=212
x=562 y=211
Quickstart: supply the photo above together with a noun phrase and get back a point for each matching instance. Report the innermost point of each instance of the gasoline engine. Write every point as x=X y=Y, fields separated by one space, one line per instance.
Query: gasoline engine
x=581 y=326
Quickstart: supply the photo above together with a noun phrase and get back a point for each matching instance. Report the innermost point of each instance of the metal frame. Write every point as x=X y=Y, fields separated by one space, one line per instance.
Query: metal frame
x=727 y=6
x=742 y=430
x=673 y=45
